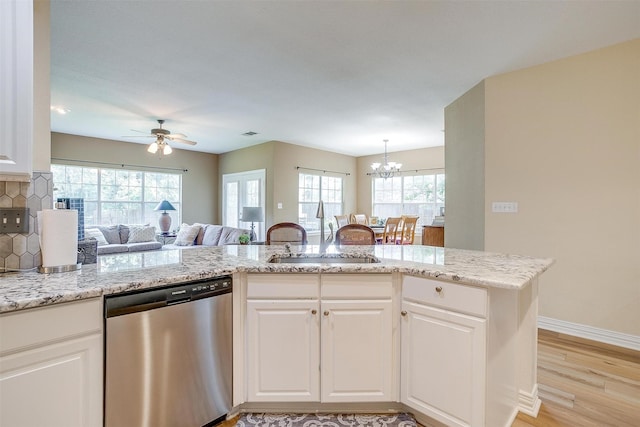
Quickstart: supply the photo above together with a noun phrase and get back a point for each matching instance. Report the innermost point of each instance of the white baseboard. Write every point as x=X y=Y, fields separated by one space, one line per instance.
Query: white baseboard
x=589 y=332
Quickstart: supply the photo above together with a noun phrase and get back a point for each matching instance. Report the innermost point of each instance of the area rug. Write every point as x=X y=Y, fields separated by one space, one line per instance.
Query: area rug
x=326 y=420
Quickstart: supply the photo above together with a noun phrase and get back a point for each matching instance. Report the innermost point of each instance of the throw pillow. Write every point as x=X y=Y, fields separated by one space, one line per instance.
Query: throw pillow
x=187 y=235
x=141 y=234
x=96 y=234
x=111 y=233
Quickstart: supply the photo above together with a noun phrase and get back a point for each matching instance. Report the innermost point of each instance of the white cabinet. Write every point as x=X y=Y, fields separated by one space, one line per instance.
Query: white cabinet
x=16 y=87
x=444 y=351
x=319 y=338
x=283 y=354
x=357 y=345
x=51 y=366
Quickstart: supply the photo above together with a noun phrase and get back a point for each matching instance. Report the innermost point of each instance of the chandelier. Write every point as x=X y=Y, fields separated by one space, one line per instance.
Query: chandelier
x=386 y=170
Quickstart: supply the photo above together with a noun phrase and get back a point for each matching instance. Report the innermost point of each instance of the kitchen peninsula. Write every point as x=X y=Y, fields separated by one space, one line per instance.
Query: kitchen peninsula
x=452 y=333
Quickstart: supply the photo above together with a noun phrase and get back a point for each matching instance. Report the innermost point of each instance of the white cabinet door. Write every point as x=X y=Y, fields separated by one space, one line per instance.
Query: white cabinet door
x=356 y=351
x=443 y=364
x=57 y=385
x=16 y=87
x=283 y=348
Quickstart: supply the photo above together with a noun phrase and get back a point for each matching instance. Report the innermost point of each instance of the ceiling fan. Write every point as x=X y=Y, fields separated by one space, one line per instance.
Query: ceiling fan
x=162 y=136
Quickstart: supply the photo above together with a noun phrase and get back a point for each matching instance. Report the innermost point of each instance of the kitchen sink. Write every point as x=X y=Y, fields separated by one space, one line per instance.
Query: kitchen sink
x=324 y=259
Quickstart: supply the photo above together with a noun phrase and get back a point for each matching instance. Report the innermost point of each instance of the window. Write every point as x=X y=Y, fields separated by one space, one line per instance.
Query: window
x=421 y=195
x=312 y=189
x=118 y=196
x=243 y=189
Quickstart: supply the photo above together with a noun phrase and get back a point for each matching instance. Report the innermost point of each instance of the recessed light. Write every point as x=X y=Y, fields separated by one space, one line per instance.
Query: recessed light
x=250 y=133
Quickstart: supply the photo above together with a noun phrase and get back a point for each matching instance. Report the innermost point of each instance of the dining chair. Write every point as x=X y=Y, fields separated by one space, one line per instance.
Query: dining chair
x=359 y=219
x=391 y=229
x=342 y=220
x=286 y=232
x=408 y=230
x=355 y=234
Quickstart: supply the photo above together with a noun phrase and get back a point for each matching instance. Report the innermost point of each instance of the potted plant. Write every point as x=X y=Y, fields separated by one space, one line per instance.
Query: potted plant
x=244 y=239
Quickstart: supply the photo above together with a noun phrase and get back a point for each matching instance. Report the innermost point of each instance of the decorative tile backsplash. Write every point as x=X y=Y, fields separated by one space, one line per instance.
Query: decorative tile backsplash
x=22 y=251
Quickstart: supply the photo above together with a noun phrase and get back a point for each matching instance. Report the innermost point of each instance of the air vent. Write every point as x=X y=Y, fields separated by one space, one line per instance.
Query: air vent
x=250 y=133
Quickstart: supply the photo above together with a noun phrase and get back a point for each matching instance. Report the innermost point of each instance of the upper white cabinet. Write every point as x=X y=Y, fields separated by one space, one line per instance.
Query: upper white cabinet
x=51 y=366
x=16 y=89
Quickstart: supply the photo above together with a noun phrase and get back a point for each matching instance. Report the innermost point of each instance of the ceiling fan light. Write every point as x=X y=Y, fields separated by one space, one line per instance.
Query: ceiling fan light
x=167 y=149
x=153 y=148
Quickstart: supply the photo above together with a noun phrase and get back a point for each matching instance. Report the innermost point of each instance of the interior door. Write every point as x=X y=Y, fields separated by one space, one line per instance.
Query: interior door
x=239 y=190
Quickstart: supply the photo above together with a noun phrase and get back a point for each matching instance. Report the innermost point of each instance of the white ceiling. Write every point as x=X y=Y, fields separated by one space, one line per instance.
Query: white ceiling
x=335 y=75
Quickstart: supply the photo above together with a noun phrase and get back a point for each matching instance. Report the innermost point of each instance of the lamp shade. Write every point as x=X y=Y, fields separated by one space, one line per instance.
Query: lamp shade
x=164 y=206
x=252 y=214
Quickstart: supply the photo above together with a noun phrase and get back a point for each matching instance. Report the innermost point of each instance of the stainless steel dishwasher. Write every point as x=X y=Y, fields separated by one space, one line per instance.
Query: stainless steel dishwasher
x=168 y=358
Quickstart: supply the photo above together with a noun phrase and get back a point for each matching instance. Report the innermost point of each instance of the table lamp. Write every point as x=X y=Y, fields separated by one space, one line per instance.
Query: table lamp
x=165 y=220
x=252 y=214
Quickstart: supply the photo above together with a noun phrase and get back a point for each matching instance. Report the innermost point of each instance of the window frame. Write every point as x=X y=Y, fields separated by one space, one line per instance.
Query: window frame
x=330 y=205
x=144 y=205
x=399 y=200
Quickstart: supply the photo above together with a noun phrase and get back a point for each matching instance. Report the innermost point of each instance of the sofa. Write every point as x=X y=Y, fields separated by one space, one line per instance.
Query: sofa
x=198 y=235
x=113 y=239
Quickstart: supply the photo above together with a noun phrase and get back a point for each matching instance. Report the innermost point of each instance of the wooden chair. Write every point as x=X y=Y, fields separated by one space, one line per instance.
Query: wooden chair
x=408 y=230
x=286 y=232
x=342 y=220
x=391 y=230
x=355 y=234
x=359 y=219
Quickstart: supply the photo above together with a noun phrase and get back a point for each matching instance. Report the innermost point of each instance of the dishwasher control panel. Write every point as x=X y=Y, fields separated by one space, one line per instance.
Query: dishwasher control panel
x=148 y=299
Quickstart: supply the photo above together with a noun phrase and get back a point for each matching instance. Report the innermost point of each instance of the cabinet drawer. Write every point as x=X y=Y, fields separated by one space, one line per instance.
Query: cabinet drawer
x=283 y=286
x=359 y=286
x=461 y=298
x=39 y=326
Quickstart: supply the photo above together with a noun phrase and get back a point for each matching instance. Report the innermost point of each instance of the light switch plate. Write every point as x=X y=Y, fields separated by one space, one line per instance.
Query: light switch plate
x=14 y=220
x=504 y=207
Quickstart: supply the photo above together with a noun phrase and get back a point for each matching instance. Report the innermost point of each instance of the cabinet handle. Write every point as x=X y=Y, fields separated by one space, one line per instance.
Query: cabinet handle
x=438 y=289
x=403 y=313
x=314 y=311
x=326 y=312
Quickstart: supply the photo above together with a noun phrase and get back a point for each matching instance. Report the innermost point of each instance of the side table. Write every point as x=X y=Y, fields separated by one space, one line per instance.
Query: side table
x=166 y=239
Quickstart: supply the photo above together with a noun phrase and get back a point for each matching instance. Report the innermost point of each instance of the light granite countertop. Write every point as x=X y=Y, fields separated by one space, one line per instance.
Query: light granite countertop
x=125 y=272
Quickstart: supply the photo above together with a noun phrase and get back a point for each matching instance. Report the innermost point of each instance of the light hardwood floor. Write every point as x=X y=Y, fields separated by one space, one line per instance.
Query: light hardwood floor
x=585 y=383
x=581 y=383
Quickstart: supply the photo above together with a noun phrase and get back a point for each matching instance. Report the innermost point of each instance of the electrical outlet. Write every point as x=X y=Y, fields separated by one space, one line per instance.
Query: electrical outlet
x=504 y=207
x=14 y=220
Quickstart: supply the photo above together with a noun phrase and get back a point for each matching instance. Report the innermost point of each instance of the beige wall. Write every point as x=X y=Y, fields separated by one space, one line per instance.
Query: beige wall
x=41 y=87
x=424 y=158
x=199 y=183
x=281 y=161
x=464 y=185
x=563 y=140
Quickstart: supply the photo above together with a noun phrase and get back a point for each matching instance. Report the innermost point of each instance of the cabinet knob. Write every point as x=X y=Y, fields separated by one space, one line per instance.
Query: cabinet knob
x=314 y=311
x=403 y=313
x=438 y=289
x=326 y=312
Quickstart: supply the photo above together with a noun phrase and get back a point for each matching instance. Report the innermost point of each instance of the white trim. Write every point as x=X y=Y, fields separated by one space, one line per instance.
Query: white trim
x=589 y=332
x=529 y=402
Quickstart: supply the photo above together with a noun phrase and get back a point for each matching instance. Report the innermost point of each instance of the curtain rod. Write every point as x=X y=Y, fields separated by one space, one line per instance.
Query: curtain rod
x=122 y=165
x=322 y=170
x=410 y=170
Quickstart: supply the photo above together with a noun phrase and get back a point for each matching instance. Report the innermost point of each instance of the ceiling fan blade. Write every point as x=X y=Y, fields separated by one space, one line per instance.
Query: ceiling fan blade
x=140 y=131
x=184 y=141
x=176 y=135
x=138 y=136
